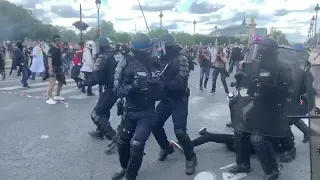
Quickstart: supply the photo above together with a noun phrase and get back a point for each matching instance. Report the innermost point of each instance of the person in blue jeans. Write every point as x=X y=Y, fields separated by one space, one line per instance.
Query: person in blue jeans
x=21 y=63
x=205 y=64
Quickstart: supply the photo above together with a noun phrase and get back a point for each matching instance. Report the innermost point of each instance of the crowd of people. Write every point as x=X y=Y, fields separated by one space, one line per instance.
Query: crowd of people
x=136 y=76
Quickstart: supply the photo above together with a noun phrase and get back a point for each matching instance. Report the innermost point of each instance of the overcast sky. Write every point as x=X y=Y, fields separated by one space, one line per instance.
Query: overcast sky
x=290 y=16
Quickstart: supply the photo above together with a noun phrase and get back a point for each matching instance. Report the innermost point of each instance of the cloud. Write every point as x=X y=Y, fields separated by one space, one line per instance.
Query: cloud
x=283 y=12
x=28 y=3
x=165 y=5
x=171 y=26
x=204 y=8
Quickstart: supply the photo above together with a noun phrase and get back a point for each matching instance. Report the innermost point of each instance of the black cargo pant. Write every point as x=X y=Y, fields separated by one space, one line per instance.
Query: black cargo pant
x=135 y=131
x=178 y=108
x=101 y=113
x=262 y=147
x=229 y=141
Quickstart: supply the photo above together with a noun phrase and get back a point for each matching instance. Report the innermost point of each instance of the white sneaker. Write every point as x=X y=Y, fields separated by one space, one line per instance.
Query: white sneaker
x=58 y=98
x=51 y=101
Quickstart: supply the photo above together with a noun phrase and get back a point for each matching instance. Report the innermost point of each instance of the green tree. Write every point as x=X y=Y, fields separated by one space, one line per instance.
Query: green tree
x=90 y=35
x=107 y=29
x=69 y=36
x=280 y=37
x=123 y=37
x=20 y=23
x=184 y=38
x=157 y=32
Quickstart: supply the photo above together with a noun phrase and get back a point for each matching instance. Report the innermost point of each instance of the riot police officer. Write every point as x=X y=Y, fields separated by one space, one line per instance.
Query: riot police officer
x=137 y=80
x=260 y=112
x=103 y=74
x=175 y=102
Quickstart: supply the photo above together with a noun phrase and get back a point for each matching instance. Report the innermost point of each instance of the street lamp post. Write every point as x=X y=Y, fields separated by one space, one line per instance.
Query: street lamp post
x=194 y=26
x=317 y=8
x=161 y=16
x=311 y=25
x=215 y=30
x=98 y=4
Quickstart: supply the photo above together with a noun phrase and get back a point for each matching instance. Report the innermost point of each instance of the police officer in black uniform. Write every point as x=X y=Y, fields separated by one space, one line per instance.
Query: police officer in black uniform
x=262 y=110
x=137 y=80
x=174 y=103
x=103 y=74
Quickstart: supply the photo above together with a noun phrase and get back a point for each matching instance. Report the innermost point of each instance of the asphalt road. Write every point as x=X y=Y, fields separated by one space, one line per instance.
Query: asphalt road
x=51 y=142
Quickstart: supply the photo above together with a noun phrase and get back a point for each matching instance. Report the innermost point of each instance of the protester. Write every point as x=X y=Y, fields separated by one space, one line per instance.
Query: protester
x=55 y=71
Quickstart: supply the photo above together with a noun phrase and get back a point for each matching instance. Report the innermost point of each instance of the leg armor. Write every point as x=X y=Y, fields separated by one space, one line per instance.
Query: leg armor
x=266 y=156
x=184 y=140
x=242 y=148
x=135 y=161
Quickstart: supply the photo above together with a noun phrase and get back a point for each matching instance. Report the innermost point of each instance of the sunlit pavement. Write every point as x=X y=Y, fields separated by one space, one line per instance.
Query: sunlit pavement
x=51 y=142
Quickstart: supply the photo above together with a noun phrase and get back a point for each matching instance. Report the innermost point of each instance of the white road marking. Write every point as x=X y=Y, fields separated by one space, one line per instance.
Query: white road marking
x=44 y=137
x=33 y=90
x=229 y=176
x=195 y=99
x=10 y=88
x=206 y=175
x=83 y=95
x=227 y=166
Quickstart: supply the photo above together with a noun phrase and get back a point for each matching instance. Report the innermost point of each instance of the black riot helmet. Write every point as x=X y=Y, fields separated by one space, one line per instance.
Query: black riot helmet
x=168 y=44
x=268 y=47
x=141 y=44
x=103 y=44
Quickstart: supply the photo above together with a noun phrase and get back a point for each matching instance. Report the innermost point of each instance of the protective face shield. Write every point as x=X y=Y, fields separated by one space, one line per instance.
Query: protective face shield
x=160 y=49
x=142 y=45
x=101 y=44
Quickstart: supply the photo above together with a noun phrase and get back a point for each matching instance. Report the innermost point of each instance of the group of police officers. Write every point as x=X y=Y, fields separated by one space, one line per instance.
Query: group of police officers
x=136 y=78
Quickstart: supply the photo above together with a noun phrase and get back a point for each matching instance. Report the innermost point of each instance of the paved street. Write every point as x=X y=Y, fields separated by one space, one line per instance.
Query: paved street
x=50 y=142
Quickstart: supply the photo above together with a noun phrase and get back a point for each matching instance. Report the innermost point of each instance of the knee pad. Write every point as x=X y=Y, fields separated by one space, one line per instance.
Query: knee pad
x=180 y=133
x=137 y=148
x=94 y=117
x=124 y=136
x=257 y=140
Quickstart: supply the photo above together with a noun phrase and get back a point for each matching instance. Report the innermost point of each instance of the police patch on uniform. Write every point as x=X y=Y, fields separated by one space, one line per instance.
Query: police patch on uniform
x=156 y=74
x=141 y=73
x=118 y=57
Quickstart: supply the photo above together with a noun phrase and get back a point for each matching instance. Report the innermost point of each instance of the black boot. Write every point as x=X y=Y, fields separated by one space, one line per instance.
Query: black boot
x=288 y=156
x=135 y=161
x=163 y=154
x=205 y=83
x=273 y=176
x=187 y=146
x=124 y=155
x=96 y=134
x=229 y=125
x=119 y=175
x=242 y=168
x=203 y=131
x=305 y=129
x=200 y=85
x=191 y=165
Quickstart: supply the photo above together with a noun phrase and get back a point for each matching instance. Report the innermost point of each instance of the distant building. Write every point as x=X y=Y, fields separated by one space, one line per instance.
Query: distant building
x=238 y=31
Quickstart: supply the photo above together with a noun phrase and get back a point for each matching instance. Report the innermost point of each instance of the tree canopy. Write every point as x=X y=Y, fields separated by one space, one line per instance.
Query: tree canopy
x=19 y=23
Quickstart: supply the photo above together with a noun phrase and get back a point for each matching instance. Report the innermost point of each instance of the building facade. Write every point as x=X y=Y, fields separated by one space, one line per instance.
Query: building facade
x=238 y=31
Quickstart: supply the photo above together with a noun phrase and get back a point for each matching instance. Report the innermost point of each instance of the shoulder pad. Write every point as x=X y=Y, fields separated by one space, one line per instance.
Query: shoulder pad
x=184 y=66
x=118 y=57
x=118 y=73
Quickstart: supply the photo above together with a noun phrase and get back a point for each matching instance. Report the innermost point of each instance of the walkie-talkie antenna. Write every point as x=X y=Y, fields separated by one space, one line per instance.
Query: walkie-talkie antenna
x=144 y=17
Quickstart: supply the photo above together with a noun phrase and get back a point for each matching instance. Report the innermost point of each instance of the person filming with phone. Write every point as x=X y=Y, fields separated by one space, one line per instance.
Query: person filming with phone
x=219 y=67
